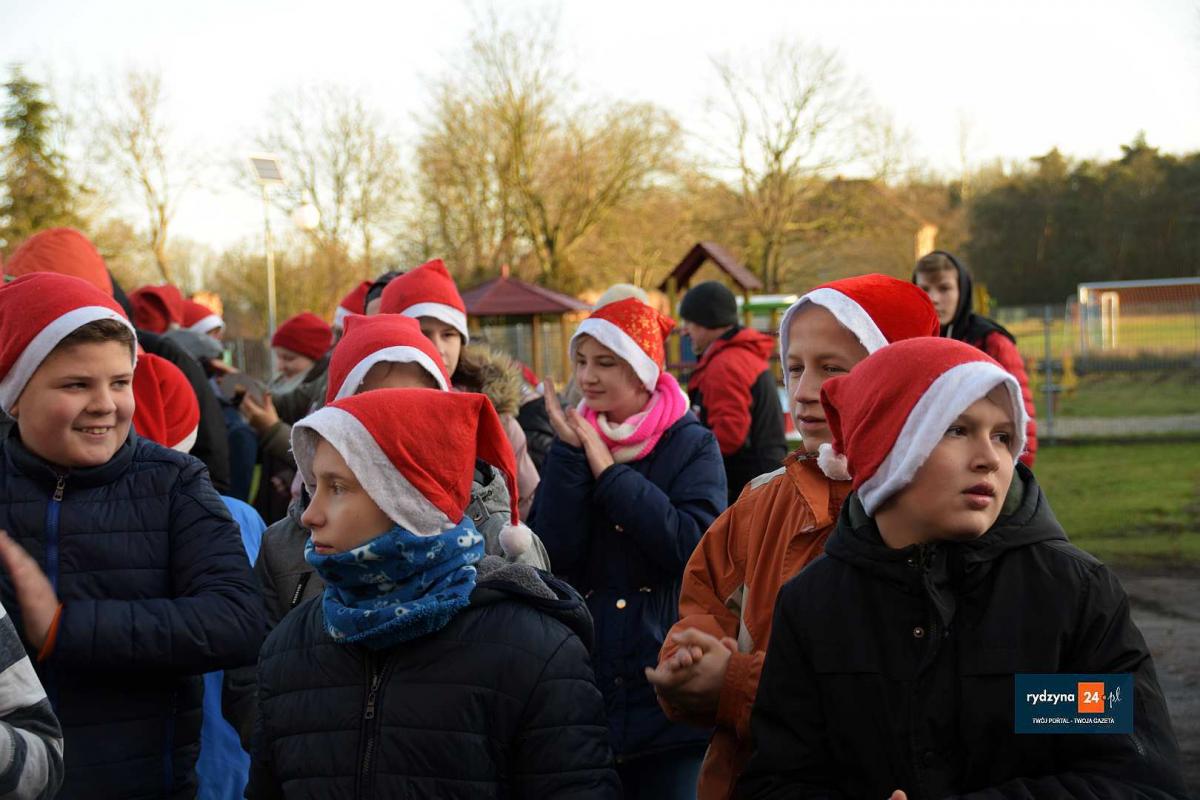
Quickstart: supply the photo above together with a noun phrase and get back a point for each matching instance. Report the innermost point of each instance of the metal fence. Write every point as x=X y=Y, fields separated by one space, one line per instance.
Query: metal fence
x=1112 y=364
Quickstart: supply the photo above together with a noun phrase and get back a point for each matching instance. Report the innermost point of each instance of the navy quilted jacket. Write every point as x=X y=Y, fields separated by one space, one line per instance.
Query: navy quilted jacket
x=156 y=590
x=500 y=703
x=623 y=541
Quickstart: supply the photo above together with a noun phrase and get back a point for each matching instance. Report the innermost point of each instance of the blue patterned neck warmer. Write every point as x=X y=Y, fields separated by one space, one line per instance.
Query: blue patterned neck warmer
x=398 y=586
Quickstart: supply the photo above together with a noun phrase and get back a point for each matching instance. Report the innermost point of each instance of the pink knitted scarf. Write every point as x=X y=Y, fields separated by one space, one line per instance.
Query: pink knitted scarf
x=636 y=437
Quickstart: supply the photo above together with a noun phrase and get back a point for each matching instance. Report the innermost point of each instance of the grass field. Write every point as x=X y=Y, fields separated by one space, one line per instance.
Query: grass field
x=1149 y=394
x=1165 y=333
x=1132 y=504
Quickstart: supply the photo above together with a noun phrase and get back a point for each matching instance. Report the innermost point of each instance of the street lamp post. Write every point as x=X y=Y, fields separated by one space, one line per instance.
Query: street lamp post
x=265 y=167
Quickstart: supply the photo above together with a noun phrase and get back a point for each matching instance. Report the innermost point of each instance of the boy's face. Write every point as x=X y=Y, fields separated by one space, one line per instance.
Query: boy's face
x=445 y=338
x=341 y=515
x=958 y=492
x=76 y=409
x=289 y=363
x=942 y=288
x=819 y=348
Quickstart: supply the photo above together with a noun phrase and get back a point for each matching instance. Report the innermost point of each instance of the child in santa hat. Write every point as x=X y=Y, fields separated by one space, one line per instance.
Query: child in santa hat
x=890 y=670
x=385 y=352
x=429 y=295
x=66 y=251
x=482 y=665
x=777 y=526
x=127 y=570
x=630 y=484
x=199 y=318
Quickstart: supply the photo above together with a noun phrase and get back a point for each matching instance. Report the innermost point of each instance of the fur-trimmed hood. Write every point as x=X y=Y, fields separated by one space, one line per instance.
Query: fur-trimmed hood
x=494 y=374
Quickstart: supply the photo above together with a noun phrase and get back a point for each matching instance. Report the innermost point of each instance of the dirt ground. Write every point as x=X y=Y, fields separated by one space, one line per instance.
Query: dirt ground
x=1166 y=606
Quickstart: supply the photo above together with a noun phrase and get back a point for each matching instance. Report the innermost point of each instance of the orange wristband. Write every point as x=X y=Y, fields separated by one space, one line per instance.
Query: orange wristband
x=51 y=636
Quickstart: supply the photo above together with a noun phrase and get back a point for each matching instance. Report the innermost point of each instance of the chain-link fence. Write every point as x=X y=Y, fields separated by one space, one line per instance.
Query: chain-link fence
x=1116 y=362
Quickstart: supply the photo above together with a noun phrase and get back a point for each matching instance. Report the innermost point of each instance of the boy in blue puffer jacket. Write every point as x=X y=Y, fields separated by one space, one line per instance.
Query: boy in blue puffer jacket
x=136 y=581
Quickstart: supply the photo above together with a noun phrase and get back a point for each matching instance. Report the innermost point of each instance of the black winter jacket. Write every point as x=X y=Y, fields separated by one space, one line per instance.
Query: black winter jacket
x=499 y=703
x=156 y=590
x=893 y=669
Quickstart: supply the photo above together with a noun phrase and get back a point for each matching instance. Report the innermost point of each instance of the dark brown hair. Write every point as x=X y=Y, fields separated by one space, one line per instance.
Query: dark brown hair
x=101 y=330
x=935 y=262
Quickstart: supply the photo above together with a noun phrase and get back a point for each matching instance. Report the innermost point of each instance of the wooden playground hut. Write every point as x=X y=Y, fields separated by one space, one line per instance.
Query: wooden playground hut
x=511 y=300
x=682 y=275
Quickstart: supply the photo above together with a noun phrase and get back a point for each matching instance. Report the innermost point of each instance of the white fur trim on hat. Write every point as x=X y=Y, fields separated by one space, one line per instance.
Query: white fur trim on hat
x=400 y=354
x=188 y=442
x=947 y=397
x=615 y=339
x=209 y=323
x=845 y=310
x=44 y=343
x=447 y=314
x=400 y=500
x=339 y=316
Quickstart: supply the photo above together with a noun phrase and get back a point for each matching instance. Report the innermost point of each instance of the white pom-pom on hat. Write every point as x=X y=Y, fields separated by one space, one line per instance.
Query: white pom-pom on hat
x=515 y=539
x=832 y=463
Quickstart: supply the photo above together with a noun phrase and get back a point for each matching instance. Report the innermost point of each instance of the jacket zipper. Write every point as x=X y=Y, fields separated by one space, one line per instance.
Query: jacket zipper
x=370 y=725
x=52 y=513
x=53 y=509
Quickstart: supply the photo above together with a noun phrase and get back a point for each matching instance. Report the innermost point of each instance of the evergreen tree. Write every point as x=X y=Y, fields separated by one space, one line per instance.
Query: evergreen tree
x=35 y=192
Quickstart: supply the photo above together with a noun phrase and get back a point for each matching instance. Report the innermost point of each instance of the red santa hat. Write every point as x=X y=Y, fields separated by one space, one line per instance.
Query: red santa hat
x=166 y=410
x=877 y=309
x=306 y=334
x=384 y=338
x=427 y=291
x=37 y=311
x=414 y=451
x=199 y=318
x=889 y=413
x=65 y=251
x=157 y=308
x=634 y=331
x=353 y=303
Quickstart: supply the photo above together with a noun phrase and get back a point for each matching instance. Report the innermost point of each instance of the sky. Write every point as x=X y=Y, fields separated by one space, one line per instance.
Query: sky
x=1026 y=75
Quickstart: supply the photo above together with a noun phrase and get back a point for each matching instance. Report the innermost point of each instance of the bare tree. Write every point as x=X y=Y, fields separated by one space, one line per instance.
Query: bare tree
x=793 y=120
x=512 y=166
x=132 y=137
x=340 y=155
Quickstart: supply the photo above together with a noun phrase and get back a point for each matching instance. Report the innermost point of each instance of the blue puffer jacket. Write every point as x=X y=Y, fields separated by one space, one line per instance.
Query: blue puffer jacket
x=623 y=541
x=155 y=588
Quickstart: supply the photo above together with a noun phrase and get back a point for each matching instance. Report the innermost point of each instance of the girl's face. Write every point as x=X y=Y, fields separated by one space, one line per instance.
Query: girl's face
x=446 y=339
x=819 y=348
x=608 y=382
x=958 y=492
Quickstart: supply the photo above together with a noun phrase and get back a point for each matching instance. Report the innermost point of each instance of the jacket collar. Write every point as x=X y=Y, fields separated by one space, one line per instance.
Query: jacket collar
x=1025 y=519
x=22 y=461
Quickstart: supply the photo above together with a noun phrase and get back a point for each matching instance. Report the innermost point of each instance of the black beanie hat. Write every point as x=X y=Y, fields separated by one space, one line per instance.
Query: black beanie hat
x=710 y=305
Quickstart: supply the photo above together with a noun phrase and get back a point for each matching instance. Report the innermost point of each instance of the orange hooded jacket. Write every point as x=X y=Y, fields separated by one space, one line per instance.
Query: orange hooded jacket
x=778 y=525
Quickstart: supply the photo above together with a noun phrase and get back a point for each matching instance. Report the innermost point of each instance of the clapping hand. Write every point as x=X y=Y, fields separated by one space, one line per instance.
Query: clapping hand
x=563 y=429
x=35 y=595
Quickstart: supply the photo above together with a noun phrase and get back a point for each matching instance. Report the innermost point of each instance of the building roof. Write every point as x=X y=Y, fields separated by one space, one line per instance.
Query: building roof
x=704 y=251
x=509 y=297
